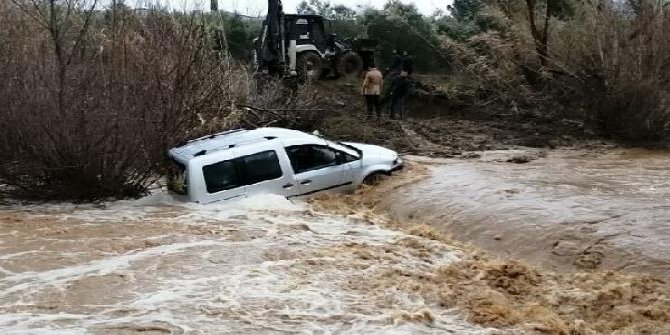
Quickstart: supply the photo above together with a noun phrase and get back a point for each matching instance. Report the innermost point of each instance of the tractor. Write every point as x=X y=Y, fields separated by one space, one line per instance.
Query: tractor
x=298 y=45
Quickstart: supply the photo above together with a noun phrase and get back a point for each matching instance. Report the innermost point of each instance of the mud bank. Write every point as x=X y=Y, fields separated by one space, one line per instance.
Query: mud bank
x=561 y=210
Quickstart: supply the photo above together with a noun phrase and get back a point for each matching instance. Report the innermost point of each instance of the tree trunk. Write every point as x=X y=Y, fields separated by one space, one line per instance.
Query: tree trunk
x=55 y=31
x=540 y=37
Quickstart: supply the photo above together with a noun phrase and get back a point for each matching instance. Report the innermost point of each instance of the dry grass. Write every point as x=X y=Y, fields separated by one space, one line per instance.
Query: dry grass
x=93 y=99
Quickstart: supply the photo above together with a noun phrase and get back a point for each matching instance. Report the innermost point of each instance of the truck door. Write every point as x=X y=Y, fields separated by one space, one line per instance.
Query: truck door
x=215 y=178
x=351 y=164
x=266 y=170
x=316 y=167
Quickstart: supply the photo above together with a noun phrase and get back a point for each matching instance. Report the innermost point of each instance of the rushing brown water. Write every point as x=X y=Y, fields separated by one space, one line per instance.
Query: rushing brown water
x=568 y=210
x=258 y=266
x=267 y=265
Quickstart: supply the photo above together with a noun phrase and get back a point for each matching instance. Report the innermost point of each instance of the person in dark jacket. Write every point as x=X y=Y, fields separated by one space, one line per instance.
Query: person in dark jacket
x=399 y=90
x=390 y=74
x=407 y=63
x=396 y=66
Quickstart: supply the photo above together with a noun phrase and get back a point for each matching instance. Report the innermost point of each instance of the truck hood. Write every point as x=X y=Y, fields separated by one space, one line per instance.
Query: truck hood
x=374 y=151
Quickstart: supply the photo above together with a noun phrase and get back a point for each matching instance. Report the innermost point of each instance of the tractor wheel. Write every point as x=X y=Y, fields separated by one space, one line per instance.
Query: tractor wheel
x=349 y=64
x=309 y=66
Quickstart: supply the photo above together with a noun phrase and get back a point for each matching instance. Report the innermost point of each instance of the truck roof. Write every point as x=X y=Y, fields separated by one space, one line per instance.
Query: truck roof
x=231 y=139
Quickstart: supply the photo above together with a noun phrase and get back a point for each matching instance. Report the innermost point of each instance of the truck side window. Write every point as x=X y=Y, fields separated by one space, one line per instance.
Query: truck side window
x=220 y=176
x=311 y=157
x=347 y=158
x=261 y=167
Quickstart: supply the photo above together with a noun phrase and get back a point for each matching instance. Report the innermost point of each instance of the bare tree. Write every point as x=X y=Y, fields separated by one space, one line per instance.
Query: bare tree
x=57 y=17
x=540 y=34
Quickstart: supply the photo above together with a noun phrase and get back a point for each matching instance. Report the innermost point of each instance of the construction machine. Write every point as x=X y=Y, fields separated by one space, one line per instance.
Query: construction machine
x=298 y=45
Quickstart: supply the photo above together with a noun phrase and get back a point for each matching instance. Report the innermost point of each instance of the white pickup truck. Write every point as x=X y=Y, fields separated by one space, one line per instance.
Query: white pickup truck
x=241 y=163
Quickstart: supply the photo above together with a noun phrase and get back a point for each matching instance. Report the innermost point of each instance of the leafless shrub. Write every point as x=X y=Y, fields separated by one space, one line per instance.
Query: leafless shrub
x=273 y=102
x=92 y=99
x=492 y=70
x=618 y=64
x=605 y=61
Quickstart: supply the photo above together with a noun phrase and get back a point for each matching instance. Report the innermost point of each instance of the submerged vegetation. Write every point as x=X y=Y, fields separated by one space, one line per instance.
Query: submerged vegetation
x=93 y=94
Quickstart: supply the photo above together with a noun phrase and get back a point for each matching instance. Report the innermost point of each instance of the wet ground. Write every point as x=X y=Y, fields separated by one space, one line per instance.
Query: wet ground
x=434 y=126
x=259 y=266
x=562 y=209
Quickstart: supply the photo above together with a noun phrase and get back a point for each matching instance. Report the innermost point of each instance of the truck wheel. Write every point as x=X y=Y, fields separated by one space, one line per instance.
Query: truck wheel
x=374 y=178
x=309 y=66
x=350 y=63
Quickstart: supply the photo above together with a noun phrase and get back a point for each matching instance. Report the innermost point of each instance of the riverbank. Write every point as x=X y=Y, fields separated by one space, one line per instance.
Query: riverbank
x=435 y=127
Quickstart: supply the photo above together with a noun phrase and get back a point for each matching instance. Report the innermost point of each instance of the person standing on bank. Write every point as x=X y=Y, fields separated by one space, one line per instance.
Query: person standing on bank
x=399 y=90
x=396 y=66
x=407 y=63
x=372 y=89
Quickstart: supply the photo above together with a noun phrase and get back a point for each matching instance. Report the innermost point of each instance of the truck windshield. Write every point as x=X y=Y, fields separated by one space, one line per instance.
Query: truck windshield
x=358 y=152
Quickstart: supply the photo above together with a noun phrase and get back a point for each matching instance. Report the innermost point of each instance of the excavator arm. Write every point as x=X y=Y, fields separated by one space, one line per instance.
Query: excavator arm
x=273 y=40
x=272 y=35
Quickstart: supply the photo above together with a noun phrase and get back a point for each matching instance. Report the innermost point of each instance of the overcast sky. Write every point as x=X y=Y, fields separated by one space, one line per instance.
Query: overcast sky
x=259 y=7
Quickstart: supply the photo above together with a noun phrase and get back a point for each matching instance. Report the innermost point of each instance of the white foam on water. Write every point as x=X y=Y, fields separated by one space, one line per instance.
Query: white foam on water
x=270 y=266
x=140 y=209
x=38 y=324
x=96 y=268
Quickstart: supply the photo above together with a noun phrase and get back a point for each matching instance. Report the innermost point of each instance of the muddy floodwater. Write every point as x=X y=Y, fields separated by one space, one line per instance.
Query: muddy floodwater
x=259 y=266
x=563 y=210
x=267 y=265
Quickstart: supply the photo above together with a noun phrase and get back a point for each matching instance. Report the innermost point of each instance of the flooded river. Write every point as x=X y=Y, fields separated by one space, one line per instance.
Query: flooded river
x=565 y=210
x=260 y=266
x=266 y=265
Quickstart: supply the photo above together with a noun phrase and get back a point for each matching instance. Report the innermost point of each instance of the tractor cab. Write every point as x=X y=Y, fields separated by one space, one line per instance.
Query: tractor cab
x=298 y=44
x=308 y=30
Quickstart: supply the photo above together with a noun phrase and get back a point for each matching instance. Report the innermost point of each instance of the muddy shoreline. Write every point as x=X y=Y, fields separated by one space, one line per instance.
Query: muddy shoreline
x=565 y=210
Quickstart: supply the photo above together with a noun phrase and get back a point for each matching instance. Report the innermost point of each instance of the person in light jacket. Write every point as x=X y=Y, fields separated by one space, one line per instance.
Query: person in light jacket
x=372 y=88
